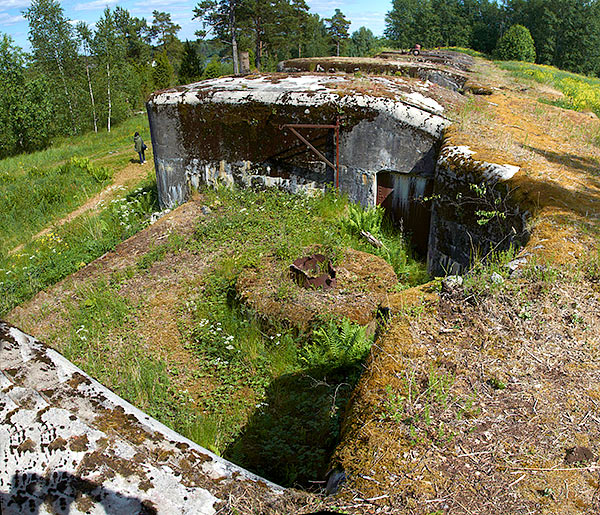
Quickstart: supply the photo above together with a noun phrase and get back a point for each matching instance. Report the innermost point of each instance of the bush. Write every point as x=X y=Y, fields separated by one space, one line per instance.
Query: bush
x=212 y=70
x=516 y=45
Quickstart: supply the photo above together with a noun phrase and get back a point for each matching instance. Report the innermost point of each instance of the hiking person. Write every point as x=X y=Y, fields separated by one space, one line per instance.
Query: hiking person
x=140 y=147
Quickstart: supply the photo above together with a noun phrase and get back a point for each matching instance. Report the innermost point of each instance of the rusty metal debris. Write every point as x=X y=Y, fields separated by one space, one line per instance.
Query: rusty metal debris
x=314 y=271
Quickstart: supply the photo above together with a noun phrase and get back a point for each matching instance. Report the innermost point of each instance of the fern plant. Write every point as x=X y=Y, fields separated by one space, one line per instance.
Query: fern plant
x=368 y=220
x=336 y=346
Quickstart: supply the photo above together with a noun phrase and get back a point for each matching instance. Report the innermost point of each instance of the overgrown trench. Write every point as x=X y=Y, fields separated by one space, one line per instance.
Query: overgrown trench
x=283 y=401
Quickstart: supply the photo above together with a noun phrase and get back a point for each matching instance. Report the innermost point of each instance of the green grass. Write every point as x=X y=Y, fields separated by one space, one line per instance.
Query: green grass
x=89 y=145
x=49 y=259
x=33 y=199
x=41 y=187
x=136 y=376
x=277 y=393
x=581 y=93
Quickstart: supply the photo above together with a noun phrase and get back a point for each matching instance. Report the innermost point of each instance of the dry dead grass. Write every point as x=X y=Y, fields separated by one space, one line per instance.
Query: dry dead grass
x=537 y=336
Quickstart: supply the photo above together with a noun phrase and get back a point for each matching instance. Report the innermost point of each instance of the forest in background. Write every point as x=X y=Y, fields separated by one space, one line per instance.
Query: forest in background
x=79 y=78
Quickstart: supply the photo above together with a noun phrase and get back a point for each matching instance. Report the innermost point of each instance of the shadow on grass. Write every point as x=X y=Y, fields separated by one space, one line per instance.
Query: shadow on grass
x=583 y=164
x=292 y=435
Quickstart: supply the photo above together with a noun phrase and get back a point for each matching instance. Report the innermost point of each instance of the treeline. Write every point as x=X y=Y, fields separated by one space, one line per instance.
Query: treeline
x=79 y=78
x=566 y=33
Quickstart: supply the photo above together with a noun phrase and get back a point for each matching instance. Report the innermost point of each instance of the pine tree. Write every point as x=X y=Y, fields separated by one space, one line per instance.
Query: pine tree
x=221 y=17
x=191 y=68
x=162 y=72
x=362 y=42
x=337 y=28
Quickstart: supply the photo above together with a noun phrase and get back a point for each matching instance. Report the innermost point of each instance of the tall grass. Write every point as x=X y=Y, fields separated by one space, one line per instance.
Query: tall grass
x=31 y=200
x=49 y=259
x=90 y=145
x=581 y=93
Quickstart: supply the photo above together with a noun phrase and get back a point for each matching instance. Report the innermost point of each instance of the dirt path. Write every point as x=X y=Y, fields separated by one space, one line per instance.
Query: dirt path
x=124 y=178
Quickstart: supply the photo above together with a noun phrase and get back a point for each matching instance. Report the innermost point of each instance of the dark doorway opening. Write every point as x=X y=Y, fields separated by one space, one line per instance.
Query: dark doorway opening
x=404 y=197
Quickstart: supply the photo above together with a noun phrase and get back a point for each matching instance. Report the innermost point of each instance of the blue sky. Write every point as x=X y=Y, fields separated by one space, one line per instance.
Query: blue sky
x=359 y=12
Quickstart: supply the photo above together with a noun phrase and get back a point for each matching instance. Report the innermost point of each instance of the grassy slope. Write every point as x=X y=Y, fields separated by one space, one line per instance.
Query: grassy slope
x=40 y=188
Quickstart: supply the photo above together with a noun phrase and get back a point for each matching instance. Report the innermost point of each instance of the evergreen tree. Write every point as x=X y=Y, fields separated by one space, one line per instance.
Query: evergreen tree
x=516 y=45
x=400 y=23
x=362 y=42
x=162 y=72
x=191 y=68
x=221 y=17
x=337 y=27
x=165 y=32
x=316 y=37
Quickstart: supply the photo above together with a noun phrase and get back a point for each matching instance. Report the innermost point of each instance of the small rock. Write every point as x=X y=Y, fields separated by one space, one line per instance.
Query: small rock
x=515 y=264
x=451 y=283
x=496 y=278
x=206 y=210
x=579 y=455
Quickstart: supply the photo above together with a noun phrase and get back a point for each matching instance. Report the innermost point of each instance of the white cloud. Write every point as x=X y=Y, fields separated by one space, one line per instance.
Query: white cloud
x=7 y=19
x=13 y=4
x=95 y=5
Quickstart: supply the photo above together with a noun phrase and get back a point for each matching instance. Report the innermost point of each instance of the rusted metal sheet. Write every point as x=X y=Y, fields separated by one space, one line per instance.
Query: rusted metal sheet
x=403 y=197
x=314 y=271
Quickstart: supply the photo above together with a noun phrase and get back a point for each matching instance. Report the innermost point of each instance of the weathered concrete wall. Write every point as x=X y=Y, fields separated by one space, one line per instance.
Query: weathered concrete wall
x=436 y=70
x=229 y=130
x=473 y=214
x=70 y=445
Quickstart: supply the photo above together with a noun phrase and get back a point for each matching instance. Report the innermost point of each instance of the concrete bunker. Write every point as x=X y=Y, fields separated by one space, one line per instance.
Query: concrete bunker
x=258 y=131
x=380 y=140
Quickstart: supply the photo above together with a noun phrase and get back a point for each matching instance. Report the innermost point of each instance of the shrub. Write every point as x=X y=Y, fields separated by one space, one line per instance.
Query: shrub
x=212 y=70
x=516 y=45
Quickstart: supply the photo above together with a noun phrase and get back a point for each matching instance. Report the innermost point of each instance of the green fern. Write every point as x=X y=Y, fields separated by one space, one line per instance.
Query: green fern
x=336 y=345
x=359 y=219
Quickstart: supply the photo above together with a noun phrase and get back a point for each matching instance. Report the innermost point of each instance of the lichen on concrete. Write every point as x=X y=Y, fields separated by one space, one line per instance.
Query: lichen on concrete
x=67 y=443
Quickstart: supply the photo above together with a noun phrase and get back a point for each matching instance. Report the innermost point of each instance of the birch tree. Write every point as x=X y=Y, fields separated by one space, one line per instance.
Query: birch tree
x=85 y=38
x=109 y=49
x=54 y=48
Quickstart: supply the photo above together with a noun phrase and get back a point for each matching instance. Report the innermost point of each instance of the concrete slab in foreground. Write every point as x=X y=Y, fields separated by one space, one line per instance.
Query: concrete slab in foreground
x=70 y=445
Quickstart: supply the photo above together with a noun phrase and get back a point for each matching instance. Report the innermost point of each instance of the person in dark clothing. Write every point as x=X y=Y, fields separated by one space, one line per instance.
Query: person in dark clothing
x=140 y=147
